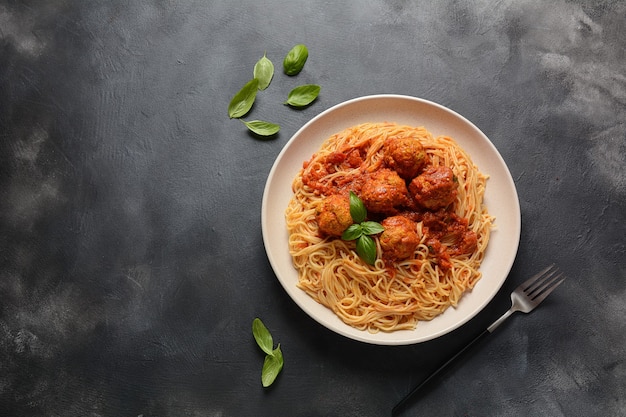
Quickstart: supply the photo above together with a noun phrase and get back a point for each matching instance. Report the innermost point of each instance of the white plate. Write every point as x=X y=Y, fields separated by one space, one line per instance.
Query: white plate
x=500 y=197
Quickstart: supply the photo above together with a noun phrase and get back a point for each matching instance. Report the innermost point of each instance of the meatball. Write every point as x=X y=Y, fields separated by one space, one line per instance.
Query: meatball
x=333 y=215
x=399 y=239
x=405 y=155
x=383 y=191
x=435 y=188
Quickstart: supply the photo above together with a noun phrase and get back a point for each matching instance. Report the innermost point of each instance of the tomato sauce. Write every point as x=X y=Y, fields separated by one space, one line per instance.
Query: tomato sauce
x=445 y=233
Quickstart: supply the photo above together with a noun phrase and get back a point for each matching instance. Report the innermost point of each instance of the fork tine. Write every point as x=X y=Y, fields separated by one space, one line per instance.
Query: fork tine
x=548 y=288
x=544 y=283
x=535 y=278
x=536 y=286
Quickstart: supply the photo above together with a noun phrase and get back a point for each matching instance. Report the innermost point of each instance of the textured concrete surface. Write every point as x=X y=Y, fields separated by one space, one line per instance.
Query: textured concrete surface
x=131 y=258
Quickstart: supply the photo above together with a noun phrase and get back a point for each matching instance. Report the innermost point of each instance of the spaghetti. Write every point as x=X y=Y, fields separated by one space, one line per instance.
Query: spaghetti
x=436 y=226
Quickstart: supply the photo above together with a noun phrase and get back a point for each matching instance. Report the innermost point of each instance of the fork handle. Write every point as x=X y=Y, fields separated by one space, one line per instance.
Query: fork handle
x=439 y=370
x=452 y=360
x=498 y=322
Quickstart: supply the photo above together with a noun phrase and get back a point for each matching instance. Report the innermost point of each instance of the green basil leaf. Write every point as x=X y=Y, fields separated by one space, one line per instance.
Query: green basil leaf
x=303 y=95
x=366 y=249
x=242 y=102
x=264 y=71
x=357 y=208
x=372 y=228
x=295 y=59
x=354 y=231
x=272 y=365
x=262 y=128
x=262 y=336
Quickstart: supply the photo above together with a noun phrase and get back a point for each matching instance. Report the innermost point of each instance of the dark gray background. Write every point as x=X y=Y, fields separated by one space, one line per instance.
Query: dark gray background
x=131 y=257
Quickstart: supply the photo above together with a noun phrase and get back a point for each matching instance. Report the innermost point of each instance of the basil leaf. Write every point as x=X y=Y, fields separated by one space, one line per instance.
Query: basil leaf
x=366 y=249
x=242 y=102
x=261 y=128
x=262 y=336
x=264 y=71
x=295 y=59
x=272 y=365
x=354 y=231
x=372 y=228
x=357 y=208
x=303 y=95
